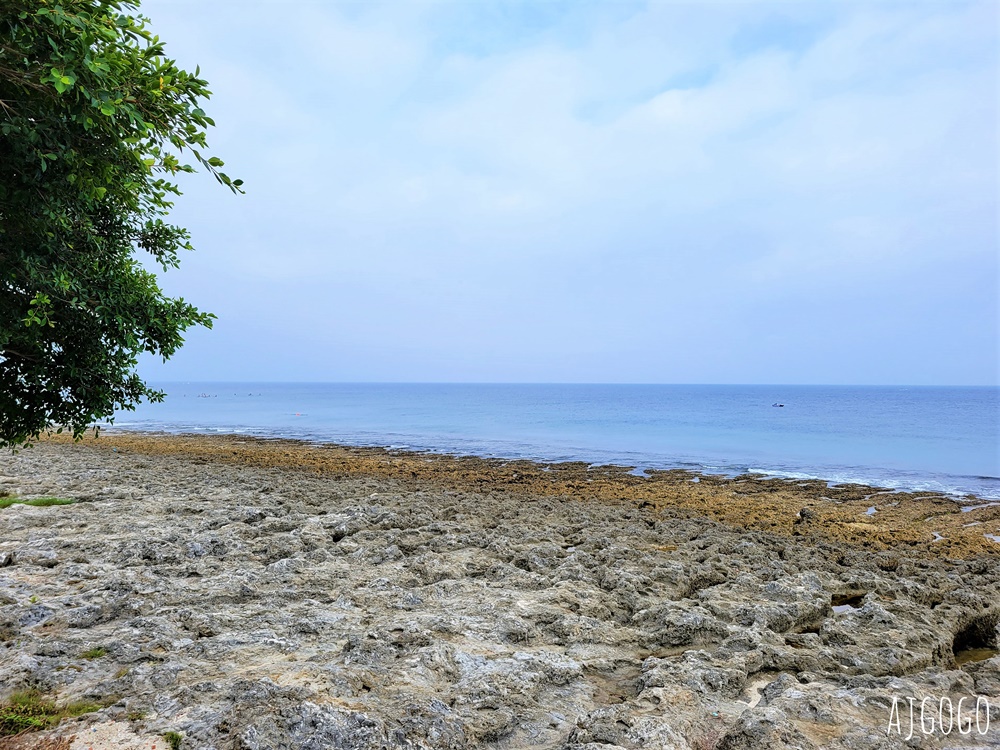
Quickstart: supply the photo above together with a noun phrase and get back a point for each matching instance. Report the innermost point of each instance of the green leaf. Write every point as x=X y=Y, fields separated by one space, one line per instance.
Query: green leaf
x=88 y=194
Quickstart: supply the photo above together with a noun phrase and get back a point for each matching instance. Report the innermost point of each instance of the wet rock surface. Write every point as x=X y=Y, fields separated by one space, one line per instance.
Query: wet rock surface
x=265 y=594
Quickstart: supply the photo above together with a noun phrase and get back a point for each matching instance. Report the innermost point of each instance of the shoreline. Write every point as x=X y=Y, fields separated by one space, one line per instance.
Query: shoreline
x=955 y=486
x=268 y=593
x=941 y=441
x=934 y=524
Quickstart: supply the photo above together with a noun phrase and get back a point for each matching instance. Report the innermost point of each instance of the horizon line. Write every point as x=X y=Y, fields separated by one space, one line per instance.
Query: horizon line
x=566 y=383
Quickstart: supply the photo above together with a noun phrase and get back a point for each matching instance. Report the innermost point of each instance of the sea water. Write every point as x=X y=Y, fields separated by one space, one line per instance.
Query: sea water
x=941 y=439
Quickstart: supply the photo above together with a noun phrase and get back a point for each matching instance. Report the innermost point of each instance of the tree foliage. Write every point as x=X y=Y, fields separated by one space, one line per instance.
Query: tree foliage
x=95 y=123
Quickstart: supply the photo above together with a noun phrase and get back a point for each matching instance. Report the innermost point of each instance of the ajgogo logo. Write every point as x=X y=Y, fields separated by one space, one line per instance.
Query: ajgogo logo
x=941 y=716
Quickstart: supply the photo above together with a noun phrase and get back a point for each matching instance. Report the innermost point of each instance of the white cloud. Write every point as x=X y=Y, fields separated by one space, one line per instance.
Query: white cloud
x=598 y=169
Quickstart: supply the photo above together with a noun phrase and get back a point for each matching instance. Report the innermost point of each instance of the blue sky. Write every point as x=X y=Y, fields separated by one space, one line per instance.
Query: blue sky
x=593 y=192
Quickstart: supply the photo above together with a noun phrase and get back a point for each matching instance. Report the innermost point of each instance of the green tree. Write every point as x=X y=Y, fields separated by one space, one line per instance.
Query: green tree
x=95 y=123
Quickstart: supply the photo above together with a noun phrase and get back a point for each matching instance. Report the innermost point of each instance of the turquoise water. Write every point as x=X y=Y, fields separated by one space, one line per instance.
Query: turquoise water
x=917 y=438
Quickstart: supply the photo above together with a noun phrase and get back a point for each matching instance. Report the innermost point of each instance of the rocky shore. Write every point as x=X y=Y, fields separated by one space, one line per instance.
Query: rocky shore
x=262 y=594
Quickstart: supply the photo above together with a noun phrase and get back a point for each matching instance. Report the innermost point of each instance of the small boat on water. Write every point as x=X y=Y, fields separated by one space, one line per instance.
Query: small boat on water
x=777 y=404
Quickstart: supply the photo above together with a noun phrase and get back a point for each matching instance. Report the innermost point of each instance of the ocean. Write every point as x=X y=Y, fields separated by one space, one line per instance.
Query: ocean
x=941 y=439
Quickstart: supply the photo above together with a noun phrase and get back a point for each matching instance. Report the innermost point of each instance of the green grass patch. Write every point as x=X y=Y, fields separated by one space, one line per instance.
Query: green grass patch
x=38 y=502
x=30 y=711
x=174 y=739
x=94 y=653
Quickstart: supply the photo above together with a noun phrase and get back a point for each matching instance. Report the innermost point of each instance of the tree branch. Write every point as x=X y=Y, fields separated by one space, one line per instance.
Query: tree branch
x=20 y=355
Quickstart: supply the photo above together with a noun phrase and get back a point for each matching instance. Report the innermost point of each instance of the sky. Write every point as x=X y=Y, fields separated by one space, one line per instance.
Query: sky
x=616 y=192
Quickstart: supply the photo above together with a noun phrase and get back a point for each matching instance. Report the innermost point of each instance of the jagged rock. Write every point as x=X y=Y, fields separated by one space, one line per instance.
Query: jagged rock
x=255 y=605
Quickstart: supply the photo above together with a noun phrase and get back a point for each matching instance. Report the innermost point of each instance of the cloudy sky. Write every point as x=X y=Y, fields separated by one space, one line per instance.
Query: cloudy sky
x=659 y=192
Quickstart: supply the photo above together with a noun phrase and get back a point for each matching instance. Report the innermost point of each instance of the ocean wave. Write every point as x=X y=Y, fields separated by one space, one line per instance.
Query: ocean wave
x=957 y=486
